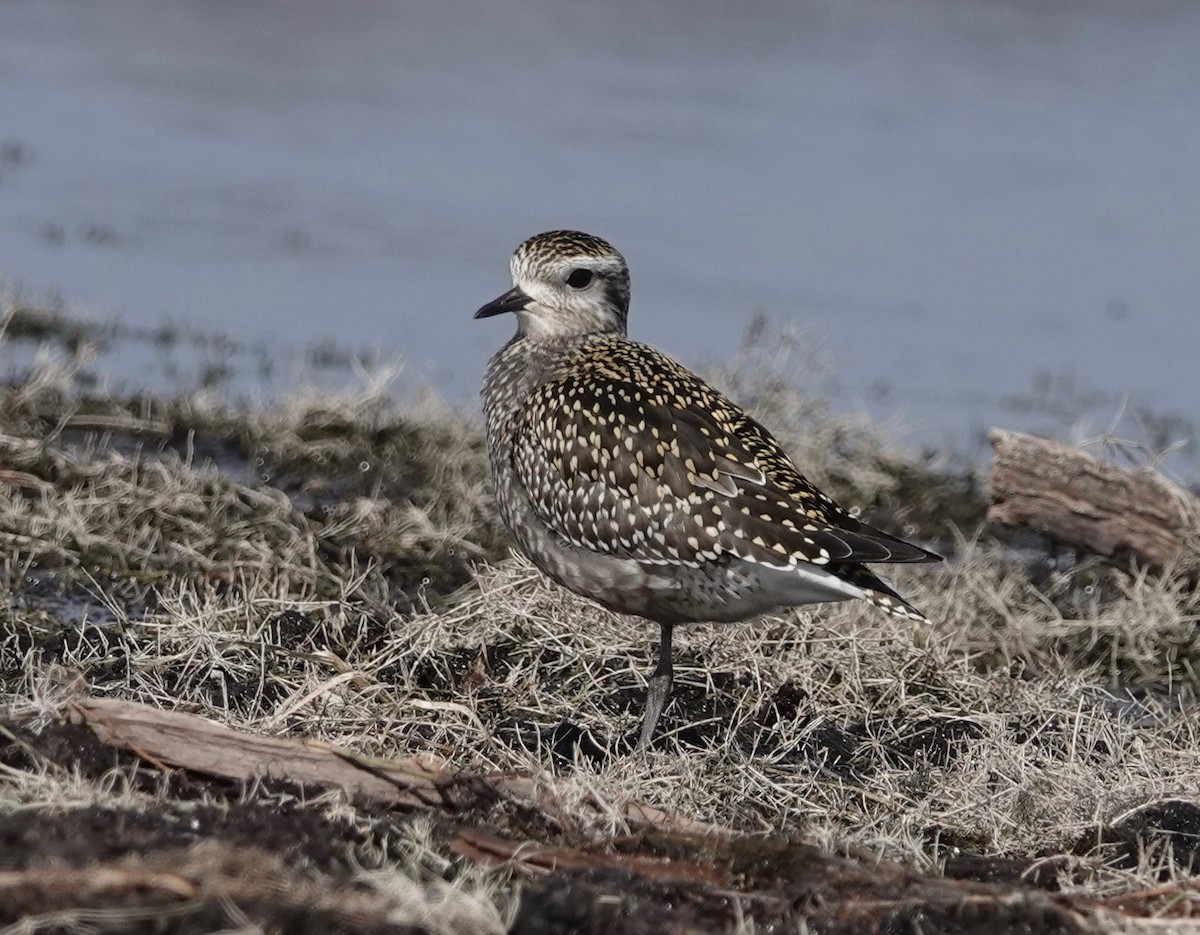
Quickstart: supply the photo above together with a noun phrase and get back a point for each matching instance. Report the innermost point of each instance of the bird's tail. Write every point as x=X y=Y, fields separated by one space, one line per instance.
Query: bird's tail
x=879 y=592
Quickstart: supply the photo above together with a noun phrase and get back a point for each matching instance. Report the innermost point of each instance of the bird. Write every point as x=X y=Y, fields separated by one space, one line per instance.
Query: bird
x=626 y=478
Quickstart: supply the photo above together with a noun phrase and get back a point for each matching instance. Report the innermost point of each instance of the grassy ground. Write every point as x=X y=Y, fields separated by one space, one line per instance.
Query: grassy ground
x=331 y=567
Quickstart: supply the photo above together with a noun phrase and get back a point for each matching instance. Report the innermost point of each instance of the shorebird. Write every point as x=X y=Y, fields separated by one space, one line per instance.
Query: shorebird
x=626 y=478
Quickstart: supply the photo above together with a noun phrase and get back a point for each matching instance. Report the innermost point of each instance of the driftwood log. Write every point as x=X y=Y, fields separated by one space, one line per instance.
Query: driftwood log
x=178 y=740
x=1077 y=499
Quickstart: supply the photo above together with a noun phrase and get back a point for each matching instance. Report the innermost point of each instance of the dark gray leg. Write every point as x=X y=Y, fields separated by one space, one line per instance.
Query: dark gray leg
x=660 y=688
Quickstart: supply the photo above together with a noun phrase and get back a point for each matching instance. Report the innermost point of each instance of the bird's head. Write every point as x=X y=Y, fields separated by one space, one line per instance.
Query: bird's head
x=565 y=284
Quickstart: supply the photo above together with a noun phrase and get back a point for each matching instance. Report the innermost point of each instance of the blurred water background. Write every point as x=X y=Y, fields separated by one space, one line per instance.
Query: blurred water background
x=983 y=211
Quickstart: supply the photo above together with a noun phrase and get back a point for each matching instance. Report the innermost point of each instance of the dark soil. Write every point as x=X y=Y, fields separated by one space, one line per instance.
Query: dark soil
x=80 y=836
x=782 y=885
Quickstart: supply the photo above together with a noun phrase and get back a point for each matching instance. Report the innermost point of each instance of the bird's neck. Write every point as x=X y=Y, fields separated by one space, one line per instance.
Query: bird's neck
x=560 y=328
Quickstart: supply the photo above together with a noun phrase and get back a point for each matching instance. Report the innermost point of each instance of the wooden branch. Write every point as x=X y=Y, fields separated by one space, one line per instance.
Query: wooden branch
x=174 y=739
x=539 y=859
x=1080 y=500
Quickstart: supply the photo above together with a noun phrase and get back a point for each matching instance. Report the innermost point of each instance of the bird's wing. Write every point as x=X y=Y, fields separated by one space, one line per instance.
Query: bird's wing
x=672 y=472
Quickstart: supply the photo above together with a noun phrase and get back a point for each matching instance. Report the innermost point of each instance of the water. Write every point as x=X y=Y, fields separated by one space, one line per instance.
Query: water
x=957 y=199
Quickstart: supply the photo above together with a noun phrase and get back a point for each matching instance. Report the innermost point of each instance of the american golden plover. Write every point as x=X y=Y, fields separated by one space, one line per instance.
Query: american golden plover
x=628 y=479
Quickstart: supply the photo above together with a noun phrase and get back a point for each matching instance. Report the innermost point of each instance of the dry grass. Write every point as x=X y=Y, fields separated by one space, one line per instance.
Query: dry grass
x=331 y=568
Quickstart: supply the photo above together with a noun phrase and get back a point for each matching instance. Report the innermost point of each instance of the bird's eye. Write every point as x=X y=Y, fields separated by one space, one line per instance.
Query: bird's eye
x=579 y=278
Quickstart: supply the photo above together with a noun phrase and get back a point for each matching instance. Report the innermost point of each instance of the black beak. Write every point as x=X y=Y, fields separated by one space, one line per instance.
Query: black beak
x=512 y=301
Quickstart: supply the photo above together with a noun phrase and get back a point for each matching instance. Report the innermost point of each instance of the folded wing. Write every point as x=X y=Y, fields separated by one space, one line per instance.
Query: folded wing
x=620 y=466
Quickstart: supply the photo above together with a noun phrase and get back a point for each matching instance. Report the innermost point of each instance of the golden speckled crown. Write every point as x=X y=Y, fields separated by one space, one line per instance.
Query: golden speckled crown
x=554 y=245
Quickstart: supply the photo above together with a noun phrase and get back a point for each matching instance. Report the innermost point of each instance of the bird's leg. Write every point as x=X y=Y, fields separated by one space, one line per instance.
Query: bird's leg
x=659 y=688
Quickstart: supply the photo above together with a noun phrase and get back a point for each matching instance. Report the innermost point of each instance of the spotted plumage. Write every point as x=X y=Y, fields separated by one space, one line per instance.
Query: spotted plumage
x=628 y=479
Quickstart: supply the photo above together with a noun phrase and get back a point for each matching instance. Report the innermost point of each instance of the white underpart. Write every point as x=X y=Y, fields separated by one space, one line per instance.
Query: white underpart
x=804 y=583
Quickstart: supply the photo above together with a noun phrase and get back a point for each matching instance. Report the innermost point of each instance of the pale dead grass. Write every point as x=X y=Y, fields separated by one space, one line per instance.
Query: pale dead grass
x=1079 y=763
x=298 y=494
x=1046 y=759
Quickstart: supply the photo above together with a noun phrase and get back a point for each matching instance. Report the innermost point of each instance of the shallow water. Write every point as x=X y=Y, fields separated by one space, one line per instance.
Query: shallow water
x=985 y=212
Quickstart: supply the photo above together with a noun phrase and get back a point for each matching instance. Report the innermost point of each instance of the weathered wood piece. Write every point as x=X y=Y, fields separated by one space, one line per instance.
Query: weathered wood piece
x=1080 y=500
x=176 y=739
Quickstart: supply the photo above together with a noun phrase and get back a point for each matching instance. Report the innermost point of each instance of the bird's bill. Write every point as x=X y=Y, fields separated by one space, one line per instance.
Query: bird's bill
x=512 y=301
